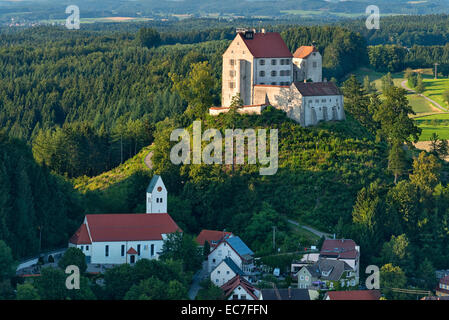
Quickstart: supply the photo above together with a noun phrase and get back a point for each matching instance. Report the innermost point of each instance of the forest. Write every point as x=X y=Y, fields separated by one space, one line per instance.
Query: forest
x=77 y=104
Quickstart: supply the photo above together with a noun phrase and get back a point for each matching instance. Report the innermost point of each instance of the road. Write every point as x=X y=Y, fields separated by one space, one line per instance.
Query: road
x=436 y=104
x=148 y=161
x=312 y=230
x=197 y=278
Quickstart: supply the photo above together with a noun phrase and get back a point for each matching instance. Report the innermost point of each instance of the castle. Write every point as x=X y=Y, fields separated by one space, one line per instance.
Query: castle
x=260 y=68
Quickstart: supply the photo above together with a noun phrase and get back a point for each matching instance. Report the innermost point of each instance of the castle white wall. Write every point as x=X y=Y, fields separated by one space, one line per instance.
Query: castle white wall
x=309 y=68
x=264 y=68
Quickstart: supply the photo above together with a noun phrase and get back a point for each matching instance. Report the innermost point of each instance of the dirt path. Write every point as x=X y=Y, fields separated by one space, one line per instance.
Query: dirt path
x=436 y=104
x=312 y=230
x=148 y=161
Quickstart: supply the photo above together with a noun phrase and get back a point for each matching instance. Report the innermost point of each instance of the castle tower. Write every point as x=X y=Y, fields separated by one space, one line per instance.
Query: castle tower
x=156 y=196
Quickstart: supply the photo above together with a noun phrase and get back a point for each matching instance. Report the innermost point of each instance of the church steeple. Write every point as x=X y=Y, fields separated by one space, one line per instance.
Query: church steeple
x=156 y=196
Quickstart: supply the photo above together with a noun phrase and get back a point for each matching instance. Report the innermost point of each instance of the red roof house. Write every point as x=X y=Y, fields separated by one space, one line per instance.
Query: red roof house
x=353 y=295
x=238 y=288
x=211 y=236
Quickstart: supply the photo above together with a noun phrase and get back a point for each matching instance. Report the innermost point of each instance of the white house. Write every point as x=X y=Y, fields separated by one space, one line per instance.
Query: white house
x=225 y=271
x=126 y=238
x=239 y=288
x=235 y=249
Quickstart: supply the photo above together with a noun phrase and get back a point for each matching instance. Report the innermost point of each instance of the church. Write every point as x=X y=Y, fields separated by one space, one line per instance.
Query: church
x=127 y=238
x=260 y=68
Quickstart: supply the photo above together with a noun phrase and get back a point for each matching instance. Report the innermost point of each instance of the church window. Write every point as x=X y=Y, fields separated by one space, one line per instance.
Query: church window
x=106 y=251
x=152 y=249
x=161 y=200
x=82 y=248
x=138 y=249
x=87 y=248
x=123 y=250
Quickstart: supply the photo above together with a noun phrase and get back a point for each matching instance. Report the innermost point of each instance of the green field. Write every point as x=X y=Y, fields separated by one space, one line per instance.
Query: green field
x=438 y=121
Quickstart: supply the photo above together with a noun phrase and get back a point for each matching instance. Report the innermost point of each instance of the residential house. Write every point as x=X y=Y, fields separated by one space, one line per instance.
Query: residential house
x=344 y=250
x=285 y=294
x=239 y=288
x=213 y=237
x=235 y=249
x=326 y=274
x=353 y=295
x=443 y=287
x=225 y=271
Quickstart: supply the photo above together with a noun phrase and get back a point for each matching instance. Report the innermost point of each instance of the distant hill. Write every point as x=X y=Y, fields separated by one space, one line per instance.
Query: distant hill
x=55 y=9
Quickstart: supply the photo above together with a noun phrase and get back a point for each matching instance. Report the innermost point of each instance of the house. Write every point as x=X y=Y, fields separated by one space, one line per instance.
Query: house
x=326 y=274
x=261 y=69
x=285 y=294
x=212 y=236
x=344 y=250
x=239 y=288
x=443 y=287
x=307 y=259
x=353 y=295
x=127 y=238
x=225 y=271
x=235 y=249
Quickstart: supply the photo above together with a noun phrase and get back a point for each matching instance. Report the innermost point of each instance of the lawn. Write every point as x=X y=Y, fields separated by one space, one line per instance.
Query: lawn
x=435 y=88
x=436 y=123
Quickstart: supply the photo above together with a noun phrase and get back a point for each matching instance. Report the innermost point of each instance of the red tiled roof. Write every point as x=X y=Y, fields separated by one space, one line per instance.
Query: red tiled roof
x=267 y=45
x=238 y=280
x=211 y=235
x=130 y=227
x=339 y=248
x=81 y=236
x=354 y=295
x=317 y=88
x=304 y=51
x=131 y=251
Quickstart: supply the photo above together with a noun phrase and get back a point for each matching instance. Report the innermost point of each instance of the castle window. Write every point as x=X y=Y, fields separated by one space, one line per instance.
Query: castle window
x=232 y=73
x=282 y=73
x=287 y=73
x=231 y=85
x=314 y=64
x=262 y=62
x=106 y=251
x=262 y=73
x=273 y=62
x=273 y=83
x=282 y=62
x=273 y=73
x=232 y=62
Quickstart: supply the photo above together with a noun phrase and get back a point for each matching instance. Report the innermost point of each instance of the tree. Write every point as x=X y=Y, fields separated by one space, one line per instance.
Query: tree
x=176 y=291
x=426 y=274
x=396 y=251
x=434 y=144
x=368 y=86
x=392 y=277
x=149 y=289
x=426 y=172
x=118 y=281
x=27 y=291
x=393 y=115
x=397 y=163
x=209 y=291
x=7 y=265
x=387 y=82
x=196 y=88
x=73 y=256
x=420 y=87
x=148 y=37
x=51 y=284
x=446 y=95
x=183 y=247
